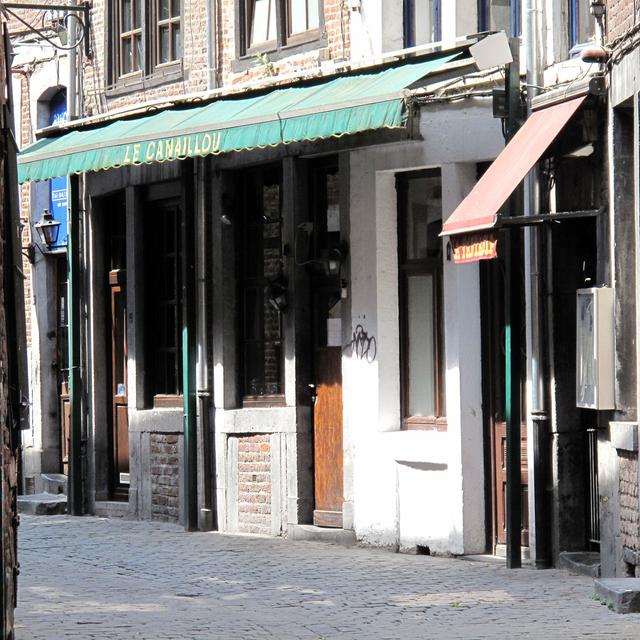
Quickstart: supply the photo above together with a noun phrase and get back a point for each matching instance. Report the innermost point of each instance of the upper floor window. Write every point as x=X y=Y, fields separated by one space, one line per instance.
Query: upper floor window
x=270 y=24
x=500 y=15
x=169 y=44
x=580 y=22
x=422 y=22
x=145 y=35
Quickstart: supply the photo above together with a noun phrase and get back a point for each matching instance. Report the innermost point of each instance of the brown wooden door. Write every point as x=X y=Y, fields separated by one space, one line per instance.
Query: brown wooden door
x=500 y=480
x=120 y=419
x=327 y=430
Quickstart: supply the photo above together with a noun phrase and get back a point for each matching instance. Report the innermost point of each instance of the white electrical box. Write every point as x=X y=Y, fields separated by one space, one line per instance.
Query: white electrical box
x=595 y=357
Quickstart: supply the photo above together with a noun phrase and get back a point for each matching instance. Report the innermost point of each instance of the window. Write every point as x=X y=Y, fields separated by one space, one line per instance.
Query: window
x=581 y=24
x=145 y=36
x=268 y=25
x=422 y=22
x=169 y=44
x=163 y=303
x=130 y=36
x=262 y=285
x=420 y=287
x=500 y=15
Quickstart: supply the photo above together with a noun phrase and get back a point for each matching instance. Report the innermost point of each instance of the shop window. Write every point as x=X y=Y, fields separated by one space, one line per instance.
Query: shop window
x=163 y=304
x=269 y=25
x=581 y=22
x=262 y=285
x=146 y=36
x=422 y=22
x=420 y=288
x=500 y=15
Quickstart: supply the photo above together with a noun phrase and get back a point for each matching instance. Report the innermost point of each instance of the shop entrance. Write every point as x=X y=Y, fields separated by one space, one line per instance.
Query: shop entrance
x=493 y=383
x=327 y=347
x=117 y=346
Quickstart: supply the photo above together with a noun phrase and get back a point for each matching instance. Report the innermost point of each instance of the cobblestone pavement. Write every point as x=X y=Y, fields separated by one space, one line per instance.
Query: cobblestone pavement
x=96 y=578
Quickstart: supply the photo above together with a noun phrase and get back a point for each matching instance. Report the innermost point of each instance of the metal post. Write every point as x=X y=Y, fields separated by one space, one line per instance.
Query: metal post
x=75 y=378
x=513 y=340
x=189 y=351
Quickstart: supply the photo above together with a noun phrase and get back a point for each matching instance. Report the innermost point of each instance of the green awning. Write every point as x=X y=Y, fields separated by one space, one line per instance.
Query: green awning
x=330 y=108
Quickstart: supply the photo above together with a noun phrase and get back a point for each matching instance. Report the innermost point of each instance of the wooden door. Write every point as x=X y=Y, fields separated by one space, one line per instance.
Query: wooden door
x=120 y=420
x=492 y=292
x=500 y=480
x=327 y=404
x=327 y=431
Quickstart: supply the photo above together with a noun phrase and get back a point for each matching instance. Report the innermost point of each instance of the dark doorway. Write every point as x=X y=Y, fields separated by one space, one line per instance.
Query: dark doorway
x=117 y=345
x=492 y=283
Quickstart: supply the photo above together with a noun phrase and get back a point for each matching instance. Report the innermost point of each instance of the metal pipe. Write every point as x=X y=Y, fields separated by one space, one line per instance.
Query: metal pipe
x=202 y=354
x=189 y=351
x=75 y=379
x=72 y=112
x=537 y=422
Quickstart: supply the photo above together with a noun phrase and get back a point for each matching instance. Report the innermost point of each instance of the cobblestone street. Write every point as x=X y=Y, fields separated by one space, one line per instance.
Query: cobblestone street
x=96 y=578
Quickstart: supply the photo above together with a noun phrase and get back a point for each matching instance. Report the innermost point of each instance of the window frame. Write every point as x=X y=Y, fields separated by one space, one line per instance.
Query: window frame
x=246 y=281
x=515 y=17
x=152 y=72
x=432 y=266
x=409 y=23
x=578 y=13
x=166 y=198
x=285 y=44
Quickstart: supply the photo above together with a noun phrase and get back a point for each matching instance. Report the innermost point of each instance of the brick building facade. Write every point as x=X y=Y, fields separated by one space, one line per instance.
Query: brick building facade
x=297 y=288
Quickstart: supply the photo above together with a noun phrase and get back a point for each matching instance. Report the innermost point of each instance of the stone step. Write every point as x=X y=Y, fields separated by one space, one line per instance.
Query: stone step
x=54 y=483
x=621 y=594
x=311 y=533
x=43 y=504
x=586 y=563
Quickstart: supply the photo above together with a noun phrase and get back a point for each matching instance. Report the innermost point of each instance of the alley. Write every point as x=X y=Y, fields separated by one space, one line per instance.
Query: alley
x=96 y=578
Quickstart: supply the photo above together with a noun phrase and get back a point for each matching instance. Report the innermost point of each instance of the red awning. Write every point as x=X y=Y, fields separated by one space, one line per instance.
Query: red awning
x=479 y=210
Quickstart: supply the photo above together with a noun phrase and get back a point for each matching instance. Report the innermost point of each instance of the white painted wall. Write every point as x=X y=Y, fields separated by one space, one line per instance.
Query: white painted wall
x=416 y=487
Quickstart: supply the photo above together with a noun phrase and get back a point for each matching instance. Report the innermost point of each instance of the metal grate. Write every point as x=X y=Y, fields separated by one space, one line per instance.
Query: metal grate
x=593 y=524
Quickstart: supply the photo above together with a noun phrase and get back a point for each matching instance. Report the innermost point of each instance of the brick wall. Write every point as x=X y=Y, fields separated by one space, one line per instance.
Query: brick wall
x=165 y=477
x=254 y=484
x=629 y=504
x=620 y=17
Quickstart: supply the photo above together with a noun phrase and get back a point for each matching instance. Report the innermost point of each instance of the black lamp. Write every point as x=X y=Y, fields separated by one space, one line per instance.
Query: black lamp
x=47 y=229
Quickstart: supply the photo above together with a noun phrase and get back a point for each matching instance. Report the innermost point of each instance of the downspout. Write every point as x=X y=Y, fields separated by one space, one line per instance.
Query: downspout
x=75 y=378
x=538 y=424
x=190 y=448
x=72 y=87
x=207 y=521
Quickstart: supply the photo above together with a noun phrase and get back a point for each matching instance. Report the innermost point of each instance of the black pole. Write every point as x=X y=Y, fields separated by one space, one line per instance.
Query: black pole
x=513 y=338
x=75 y=378
x=189 y=351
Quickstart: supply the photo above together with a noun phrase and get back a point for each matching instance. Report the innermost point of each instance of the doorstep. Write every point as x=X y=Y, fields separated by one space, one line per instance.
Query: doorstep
x=586 y=563
x=311 y=533
x=621 y=594
x=43 y=504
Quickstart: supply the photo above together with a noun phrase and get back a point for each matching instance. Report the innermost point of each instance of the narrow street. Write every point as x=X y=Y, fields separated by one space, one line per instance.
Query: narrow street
x=95 y=578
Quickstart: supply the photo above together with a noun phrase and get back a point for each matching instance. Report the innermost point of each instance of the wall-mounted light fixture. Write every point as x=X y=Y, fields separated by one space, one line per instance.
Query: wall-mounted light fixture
x=48 y=230
x=277 y=293
x=56 y=18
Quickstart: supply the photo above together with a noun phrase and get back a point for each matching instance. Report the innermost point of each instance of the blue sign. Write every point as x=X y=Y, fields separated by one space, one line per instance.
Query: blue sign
x=58 y=187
